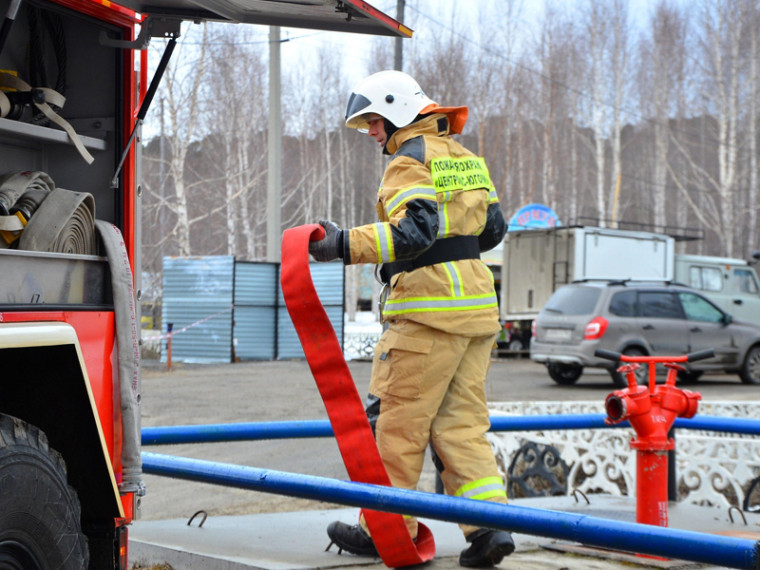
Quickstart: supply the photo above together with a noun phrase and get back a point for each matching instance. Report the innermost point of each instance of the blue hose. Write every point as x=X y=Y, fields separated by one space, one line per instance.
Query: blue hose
x=210 y=433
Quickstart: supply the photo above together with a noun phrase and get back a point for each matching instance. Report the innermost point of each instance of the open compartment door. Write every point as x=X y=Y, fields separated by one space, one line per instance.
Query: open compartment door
x=333 y=15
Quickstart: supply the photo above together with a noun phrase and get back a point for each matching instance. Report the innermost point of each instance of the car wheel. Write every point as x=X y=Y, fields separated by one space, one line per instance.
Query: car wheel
x=516 y=345
x=565 y=374
x=688 y=377
x=750 y=373
x=642 y=374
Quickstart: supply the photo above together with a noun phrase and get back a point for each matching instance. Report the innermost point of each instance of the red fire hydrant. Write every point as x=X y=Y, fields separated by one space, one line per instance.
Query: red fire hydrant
x=651 y=410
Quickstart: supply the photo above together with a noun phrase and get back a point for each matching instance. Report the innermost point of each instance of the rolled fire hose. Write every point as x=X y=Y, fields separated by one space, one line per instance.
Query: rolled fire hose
x=64 y=223
x=12 y=186
x=344 y=406
x=56 y=220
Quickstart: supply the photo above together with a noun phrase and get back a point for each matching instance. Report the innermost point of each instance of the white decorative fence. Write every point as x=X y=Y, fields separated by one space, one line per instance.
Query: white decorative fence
x=713 y=469
x=359 y=345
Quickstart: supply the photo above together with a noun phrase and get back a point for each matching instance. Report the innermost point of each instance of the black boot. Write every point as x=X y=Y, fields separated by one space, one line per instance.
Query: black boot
x=351 y=538
x=487 y=548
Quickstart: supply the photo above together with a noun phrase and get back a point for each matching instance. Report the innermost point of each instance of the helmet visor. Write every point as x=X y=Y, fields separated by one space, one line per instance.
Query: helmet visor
x=356 y=103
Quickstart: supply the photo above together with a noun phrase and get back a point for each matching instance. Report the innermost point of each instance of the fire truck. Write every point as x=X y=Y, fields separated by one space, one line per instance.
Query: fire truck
x=74 y=91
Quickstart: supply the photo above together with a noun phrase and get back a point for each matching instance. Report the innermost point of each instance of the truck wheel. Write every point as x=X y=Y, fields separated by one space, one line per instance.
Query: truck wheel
x=40 y=526
x=642 y=374
x=750 y=373
x=565 y=374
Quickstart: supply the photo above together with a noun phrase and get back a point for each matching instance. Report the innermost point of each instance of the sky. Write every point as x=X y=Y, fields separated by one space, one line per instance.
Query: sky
x=426 y=17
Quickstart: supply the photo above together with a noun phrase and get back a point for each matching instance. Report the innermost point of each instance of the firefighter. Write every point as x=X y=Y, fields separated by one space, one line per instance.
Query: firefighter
x=438 y=210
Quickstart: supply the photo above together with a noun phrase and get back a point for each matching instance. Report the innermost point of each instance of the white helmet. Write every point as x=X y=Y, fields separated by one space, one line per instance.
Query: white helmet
x=393 y=95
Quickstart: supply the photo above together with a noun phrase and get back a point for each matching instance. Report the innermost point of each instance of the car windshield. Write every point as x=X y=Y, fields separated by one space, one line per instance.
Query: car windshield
x=573 y=300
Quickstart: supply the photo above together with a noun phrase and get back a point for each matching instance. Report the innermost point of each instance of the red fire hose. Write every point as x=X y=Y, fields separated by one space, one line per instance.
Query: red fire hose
x=344 y=406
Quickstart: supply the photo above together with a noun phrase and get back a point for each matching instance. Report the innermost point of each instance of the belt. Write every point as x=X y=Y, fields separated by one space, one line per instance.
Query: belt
x=442 y=250
x=344 y=406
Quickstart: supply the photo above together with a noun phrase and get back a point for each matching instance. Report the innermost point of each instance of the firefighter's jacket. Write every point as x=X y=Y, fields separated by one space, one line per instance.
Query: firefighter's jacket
x=433 y=189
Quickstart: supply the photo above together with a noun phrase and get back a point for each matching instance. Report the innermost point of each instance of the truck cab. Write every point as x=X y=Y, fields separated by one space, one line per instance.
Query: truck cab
x=731 y=283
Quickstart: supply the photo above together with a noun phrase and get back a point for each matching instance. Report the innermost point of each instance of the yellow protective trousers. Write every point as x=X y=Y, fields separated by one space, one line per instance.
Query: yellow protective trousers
x=428 y=387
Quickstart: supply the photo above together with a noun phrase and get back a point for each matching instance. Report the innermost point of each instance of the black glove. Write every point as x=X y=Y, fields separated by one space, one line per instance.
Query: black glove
x=331 y=246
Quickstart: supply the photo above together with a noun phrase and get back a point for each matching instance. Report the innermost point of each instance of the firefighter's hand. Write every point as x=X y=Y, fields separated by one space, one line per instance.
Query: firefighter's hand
x=331 y=247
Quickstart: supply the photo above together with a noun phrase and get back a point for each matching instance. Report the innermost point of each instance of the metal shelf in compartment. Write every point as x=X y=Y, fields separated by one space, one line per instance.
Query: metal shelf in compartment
x=46 y=134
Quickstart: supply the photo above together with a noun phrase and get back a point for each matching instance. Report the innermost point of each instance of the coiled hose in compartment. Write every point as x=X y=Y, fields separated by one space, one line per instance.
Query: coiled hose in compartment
x=45 y=218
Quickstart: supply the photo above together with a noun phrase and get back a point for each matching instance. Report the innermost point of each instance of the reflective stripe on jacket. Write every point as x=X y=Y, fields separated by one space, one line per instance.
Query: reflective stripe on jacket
x=434 y=188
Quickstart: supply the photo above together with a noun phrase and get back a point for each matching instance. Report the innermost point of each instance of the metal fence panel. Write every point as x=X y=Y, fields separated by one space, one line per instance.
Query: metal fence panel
x=198 y=303
x=255 y=329
x=256 y=283
x=329 y=279
x=201 y=291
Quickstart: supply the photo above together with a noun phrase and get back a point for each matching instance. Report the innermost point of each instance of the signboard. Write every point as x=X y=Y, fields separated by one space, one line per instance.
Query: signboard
x=533 y=216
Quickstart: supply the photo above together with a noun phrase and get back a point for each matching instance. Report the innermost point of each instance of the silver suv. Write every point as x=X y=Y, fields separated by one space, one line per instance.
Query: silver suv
x=640 y=319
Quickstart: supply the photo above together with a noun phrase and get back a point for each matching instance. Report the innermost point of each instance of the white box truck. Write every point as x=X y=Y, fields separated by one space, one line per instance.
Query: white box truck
x=537 y=262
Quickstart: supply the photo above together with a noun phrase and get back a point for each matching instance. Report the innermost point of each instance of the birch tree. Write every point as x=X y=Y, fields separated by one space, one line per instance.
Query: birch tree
x=509 y=20
x=620 y=84
x=176 y=112
x=597 y=38
x=182 y=94
x=236 y=85
x=721 y=83
x=753 y=79
x=554 y=54
x=660 y=73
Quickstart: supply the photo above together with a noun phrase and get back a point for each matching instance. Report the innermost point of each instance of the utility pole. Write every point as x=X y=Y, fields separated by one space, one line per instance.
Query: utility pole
x=274 y=173
x=398 y=52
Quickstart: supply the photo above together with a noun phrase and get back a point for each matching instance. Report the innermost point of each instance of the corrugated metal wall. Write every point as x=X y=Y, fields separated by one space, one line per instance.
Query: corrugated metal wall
x=198 y=288
x=262 y=329
x=329 y=281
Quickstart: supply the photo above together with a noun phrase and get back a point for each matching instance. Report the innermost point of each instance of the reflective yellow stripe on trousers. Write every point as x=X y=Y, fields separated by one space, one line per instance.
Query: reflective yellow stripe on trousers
x=482 y=489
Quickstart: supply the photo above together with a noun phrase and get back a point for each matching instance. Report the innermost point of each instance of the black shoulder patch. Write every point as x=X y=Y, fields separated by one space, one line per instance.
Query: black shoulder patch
x=413 y=148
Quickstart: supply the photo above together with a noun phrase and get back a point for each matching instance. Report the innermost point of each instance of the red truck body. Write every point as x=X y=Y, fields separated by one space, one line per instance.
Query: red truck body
x=69 y=338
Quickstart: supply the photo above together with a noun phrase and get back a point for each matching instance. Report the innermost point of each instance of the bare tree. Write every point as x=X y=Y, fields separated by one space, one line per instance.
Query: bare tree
x=509 y=20
x=619 y=85
x=182 y=103
x=237 y=123
x=722 y=82
x=166 y=225
x=597 y=36
x=551 y=108
x=554 y=103
x=661 y=66
x=753 y=79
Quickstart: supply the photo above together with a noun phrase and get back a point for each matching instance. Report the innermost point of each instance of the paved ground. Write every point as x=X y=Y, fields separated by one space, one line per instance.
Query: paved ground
x=276 y=391
x=297 y=541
